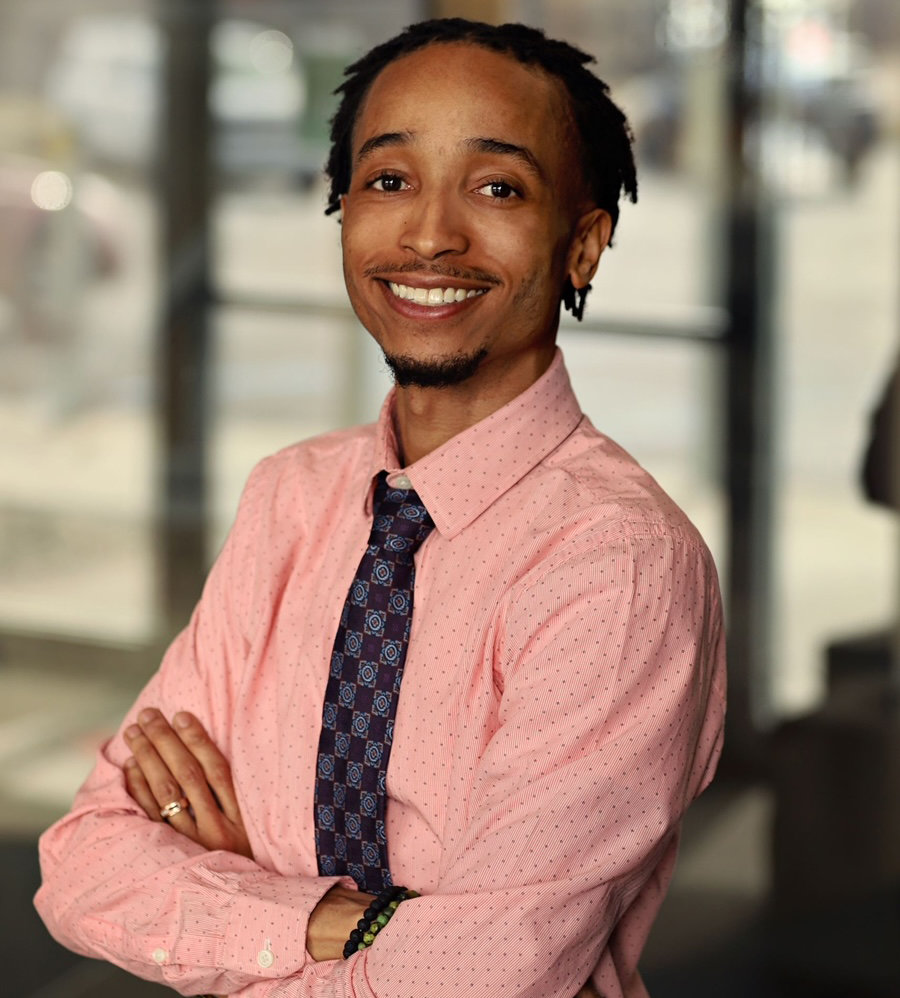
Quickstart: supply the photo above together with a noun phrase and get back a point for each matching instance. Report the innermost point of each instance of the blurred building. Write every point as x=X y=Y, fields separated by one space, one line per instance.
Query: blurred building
x=172 y=309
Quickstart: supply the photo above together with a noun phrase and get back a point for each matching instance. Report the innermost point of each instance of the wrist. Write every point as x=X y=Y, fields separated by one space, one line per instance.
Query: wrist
x=375 y=917
x=332 y=920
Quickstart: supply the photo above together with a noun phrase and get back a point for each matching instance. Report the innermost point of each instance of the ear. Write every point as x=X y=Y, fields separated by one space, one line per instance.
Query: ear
x=592 y=235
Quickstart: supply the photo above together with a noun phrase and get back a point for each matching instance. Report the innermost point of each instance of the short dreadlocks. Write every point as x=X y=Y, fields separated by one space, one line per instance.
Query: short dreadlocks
x=604 y=135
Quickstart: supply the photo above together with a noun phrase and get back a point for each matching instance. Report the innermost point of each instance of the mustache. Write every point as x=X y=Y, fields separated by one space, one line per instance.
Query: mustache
x=443 y=270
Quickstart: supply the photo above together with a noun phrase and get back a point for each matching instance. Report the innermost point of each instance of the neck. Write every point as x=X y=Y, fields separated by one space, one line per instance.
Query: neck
x=426 y=418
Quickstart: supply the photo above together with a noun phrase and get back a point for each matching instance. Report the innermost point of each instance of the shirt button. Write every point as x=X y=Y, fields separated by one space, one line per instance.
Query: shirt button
x=265 y=958
x=160 y=955
x=402 y=482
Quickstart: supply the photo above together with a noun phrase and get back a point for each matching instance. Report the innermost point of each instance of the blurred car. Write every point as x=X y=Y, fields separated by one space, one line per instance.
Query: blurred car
x=837 y=111
x=107 y=82
x=34 y=195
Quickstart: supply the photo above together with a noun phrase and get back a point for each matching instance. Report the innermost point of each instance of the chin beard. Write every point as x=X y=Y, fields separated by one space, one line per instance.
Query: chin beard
x=443 y=373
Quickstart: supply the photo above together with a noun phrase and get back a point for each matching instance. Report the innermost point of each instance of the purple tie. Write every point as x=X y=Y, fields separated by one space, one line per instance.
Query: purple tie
x=362 y=693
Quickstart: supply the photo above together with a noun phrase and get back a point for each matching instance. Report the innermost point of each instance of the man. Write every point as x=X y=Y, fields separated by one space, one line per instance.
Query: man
x=562 y=686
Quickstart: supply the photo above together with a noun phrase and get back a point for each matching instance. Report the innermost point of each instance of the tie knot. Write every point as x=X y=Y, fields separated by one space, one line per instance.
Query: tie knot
x=401 y=521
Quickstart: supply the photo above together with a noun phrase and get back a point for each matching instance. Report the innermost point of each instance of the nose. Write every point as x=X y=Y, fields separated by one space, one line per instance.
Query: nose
x=435 y=226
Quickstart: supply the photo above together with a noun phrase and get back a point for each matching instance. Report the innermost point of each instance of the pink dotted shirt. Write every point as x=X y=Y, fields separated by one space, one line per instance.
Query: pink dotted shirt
x=562 y=703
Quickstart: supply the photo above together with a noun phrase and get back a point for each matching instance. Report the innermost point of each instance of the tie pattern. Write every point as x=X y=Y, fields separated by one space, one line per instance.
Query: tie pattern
x=362 y=693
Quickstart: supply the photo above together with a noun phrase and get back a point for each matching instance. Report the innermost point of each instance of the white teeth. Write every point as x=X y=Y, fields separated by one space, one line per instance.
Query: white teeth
x=433 y=296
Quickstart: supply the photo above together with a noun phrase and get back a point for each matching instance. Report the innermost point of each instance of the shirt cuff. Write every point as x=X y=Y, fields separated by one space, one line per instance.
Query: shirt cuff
x=259 y=932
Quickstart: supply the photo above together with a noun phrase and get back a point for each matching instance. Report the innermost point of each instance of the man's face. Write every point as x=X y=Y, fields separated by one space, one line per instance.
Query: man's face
x=459 y=224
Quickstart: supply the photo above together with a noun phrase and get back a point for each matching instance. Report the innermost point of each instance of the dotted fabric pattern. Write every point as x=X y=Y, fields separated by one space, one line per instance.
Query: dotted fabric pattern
x=562 y=702
x=362 y=693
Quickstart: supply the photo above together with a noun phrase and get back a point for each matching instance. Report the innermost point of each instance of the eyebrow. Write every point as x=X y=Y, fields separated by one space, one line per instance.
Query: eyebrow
x=482 y=145
x=380 y=141
x=498 y=147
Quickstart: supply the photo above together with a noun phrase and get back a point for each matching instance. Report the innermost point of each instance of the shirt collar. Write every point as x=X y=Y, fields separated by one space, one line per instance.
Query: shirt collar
x=458 y=481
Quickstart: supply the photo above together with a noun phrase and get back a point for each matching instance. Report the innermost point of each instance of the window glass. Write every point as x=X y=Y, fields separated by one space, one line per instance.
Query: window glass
x=78 y=294
x=80 y=286
x=832 y=162
x=291 y=359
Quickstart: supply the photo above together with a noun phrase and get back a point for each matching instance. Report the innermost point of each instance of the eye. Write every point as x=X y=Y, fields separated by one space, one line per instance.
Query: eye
x=498 y=190
x=389 y=183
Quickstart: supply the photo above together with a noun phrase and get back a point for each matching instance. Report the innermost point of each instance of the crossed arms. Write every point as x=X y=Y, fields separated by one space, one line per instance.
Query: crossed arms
x=565 y=832
x=171 y=760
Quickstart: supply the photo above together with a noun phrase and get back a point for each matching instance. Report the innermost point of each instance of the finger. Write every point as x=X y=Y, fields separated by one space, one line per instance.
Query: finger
x=139 y=789
x=164 y=786
x=215 y=766
x=181 y=764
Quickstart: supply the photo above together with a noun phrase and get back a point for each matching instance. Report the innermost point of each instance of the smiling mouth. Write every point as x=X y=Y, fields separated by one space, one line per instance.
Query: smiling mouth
x=433 y=296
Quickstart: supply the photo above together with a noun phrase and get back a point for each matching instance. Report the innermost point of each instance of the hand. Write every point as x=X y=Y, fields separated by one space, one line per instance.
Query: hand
x=171 y=762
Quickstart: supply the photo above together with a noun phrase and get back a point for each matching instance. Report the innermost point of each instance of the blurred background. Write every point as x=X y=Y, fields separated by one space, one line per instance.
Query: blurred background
x=172 y=309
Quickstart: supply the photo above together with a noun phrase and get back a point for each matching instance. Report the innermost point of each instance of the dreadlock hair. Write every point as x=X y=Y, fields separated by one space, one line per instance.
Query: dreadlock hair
x=604 y=136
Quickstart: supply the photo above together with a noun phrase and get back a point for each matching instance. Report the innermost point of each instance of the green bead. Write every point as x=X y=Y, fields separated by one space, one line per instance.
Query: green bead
x=383 y=919
x=369 y=938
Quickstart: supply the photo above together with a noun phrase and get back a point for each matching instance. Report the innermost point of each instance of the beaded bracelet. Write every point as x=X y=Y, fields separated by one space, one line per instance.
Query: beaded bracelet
x=375 y=917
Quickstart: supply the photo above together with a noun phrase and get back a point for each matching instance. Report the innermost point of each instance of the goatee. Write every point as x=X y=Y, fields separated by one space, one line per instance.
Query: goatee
x=441 y=373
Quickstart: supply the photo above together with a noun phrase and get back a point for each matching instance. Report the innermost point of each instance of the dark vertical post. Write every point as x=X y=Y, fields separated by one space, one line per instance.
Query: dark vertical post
x=184 y=185
x=749 y=443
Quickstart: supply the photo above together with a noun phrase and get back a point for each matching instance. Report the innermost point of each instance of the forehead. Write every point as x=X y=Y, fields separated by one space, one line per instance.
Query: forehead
x=467 y=88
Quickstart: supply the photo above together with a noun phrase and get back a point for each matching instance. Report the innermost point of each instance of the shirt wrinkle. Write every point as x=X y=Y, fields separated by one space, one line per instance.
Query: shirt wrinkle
x=549 y=619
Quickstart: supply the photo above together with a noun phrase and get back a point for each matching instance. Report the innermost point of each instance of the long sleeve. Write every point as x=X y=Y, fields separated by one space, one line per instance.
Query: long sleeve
x=572 y=822
x=569 y=830
x=578 y=795
x=562 y=703
x=135 y=892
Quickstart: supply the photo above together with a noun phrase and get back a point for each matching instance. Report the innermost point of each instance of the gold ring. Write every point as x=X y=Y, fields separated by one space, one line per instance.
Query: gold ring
x=173 y=808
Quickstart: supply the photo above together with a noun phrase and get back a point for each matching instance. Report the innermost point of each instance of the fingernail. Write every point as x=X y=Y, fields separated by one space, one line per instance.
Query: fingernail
x=133 y=731
x=181 y=719
x=146 y=715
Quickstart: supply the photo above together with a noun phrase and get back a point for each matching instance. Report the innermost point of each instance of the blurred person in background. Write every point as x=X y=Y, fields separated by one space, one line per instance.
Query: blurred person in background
x=554 y=617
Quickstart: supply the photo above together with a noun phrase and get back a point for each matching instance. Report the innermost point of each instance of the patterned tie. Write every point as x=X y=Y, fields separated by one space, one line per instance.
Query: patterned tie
x=362 y=693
